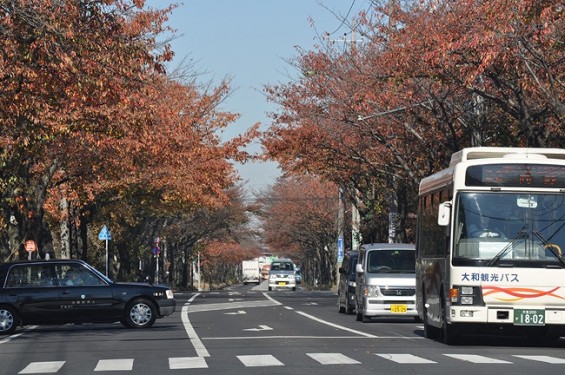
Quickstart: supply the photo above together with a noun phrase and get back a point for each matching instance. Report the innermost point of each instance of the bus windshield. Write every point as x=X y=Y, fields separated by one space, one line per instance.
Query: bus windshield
x=507 y=229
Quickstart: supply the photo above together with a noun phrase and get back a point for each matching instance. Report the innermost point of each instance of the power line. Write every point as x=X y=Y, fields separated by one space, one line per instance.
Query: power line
x=345 y=18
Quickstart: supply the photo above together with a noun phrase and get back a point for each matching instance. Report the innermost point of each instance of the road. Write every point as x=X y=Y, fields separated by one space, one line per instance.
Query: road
x=247 y=330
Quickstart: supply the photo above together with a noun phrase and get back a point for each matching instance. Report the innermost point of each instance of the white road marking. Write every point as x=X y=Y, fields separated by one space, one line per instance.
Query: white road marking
x=228 y=306
x=11 y=337
x=194 y=340
x=542 y=358
x=42 y=367
x=476 y=358
x=262 y=327
x=336 y=325
x=332 y=359
x=405 y=358
x=240 y=312
x=187 y=362
x=180 y=363
x=114 y=365
x=271 y=299
x=259 y=360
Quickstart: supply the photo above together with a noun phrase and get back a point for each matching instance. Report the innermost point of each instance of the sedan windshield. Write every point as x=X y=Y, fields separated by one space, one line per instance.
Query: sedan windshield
x=506 y=229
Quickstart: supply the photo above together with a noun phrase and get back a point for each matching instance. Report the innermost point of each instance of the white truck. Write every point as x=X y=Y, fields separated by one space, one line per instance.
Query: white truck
x=251 y=272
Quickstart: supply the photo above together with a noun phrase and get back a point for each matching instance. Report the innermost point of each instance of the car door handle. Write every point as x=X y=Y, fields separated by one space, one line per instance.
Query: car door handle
x=66 y=291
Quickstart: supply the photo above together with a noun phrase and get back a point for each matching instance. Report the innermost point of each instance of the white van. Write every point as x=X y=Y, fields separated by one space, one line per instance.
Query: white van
x=386 y=281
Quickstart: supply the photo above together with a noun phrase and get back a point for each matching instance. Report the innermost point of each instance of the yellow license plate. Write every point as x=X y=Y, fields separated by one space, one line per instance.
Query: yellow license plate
x=398 y=309
x=282 y=283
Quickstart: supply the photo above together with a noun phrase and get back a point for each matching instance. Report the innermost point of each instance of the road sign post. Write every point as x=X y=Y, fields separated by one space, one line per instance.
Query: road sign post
x=30 y=246
x=105 y=235
x=156 y=252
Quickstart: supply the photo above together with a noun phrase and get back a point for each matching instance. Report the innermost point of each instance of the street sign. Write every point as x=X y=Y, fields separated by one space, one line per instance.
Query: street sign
x=340 y=252
x=156 y=250
x=30 y=246
x=104 y=234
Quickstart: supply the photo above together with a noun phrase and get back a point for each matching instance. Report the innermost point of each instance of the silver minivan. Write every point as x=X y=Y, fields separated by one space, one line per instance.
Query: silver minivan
x=386 y=281
x=282 y=275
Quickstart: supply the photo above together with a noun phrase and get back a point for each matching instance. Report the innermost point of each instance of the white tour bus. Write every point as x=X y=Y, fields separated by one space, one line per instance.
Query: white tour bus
x=491 y=229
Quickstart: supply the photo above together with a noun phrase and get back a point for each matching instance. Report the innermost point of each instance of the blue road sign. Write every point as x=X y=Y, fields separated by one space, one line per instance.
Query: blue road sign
x=340 y=250
x=104 y=234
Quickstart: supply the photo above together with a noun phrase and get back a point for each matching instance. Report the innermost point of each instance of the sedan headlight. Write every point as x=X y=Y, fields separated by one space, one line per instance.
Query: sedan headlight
x=272 y=277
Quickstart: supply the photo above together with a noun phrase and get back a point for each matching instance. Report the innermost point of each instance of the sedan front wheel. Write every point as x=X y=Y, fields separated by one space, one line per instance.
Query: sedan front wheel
x=8 y=320
x=140 y=314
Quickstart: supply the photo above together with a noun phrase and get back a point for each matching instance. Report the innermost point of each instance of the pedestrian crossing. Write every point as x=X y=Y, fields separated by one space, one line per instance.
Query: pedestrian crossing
x=267 y=360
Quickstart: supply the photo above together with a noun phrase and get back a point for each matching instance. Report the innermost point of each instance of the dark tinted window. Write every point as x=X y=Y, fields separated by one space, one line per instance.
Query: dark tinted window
x=391 y=261
x=282 y=266
x=352 y=264
x=35 y=275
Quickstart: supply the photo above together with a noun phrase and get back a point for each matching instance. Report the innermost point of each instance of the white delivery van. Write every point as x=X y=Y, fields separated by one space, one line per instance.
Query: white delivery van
x=251 y=272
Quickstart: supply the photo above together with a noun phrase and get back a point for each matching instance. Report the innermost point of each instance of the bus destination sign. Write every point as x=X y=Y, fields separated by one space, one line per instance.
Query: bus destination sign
x=516 y=175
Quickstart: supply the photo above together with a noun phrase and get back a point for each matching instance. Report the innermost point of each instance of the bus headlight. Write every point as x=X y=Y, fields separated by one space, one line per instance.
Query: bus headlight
x=466 y=290
x=466 y=300
x=466 y=295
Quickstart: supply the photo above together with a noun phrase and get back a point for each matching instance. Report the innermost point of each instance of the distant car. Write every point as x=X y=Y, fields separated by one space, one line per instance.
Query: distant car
x=281 y=275
x=298 y=275
x=346 y=285
x=71 y=291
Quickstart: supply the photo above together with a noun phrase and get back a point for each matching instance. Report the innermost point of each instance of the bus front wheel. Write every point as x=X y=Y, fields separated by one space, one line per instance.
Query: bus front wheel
x=429 y=331
x=449 y=333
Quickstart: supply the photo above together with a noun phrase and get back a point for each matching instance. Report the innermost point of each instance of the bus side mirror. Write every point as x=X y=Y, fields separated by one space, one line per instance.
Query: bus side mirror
x=359 y=268
x=444 y=213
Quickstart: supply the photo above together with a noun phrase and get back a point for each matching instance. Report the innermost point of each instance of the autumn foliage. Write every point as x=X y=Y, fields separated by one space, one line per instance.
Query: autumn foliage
x=300 y=221
x=429 y=78
x=89 y=117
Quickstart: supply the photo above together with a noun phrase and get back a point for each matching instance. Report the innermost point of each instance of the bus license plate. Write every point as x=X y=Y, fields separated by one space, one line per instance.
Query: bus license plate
x=529 y=317
x=398 y=309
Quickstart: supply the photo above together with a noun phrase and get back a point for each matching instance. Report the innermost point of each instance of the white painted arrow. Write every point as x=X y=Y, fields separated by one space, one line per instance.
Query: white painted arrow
x=236 y=312
x=261 y=328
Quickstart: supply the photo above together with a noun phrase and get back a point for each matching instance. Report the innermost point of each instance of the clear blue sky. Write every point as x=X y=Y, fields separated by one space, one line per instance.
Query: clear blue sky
x=248 y=40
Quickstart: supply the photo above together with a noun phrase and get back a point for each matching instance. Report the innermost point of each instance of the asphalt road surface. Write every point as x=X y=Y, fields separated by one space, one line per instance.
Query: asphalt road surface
x=248 y=330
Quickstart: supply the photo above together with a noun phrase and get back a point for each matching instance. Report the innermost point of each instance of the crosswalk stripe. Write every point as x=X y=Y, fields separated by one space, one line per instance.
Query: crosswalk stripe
x=542 y=358
x=259 y=360
x=187 y=362
x=405 y=358
x=332 y=359
x=178 y=363
x=42 y=367
x=114 y=365
x=476 y=358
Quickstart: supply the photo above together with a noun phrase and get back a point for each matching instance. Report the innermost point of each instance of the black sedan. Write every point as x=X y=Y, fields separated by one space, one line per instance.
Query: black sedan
x=71 y=291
